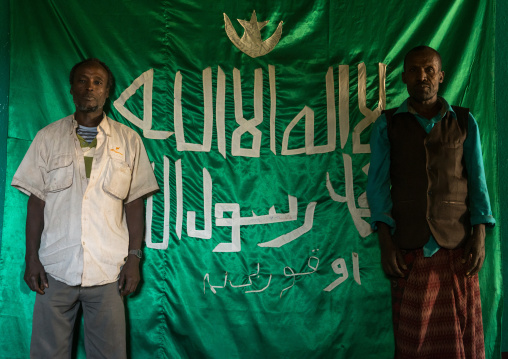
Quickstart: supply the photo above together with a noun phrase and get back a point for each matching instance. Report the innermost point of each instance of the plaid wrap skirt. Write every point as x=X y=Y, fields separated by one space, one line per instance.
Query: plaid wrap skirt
x=437 y=309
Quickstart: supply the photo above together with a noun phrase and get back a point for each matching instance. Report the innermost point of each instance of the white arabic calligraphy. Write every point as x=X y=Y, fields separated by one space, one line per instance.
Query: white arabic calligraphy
x=213 y=287
x=358 y=208
x=293 y=274
x=338 y=266
x=220 y=221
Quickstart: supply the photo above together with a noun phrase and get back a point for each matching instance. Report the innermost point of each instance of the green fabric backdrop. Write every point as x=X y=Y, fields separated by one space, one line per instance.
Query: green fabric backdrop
x=502 y=109
x=245 y=299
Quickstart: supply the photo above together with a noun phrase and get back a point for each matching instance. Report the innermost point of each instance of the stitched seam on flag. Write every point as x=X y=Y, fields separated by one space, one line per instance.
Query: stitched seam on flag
x=164 y=298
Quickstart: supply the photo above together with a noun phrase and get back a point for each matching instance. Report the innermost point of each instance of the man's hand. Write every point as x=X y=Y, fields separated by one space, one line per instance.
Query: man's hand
x=35 y=275
x=392 y=259
x=129 y=276
x=474 y=251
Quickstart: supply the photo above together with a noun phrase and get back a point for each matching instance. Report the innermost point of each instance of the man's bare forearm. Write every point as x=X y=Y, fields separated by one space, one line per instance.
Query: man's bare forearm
x=35 y=275
x=34 y=226
x=129 y=275
x=383 y=231
x=135 y=222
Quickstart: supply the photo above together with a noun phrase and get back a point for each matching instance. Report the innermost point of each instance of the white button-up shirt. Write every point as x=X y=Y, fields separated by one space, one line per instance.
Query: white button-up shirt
x=85 y=239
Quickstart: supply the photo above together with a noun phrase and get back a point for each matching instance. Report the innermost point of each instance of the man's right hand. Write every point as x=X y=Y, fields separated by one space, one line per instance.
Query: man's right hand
x=35 y=275
x=392 y=259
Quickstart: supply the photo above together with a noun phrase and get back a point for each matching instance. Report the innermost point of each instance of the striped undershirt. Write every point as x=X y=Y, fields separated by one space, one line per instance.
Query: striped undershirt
x=87 y=139
x=87 y=133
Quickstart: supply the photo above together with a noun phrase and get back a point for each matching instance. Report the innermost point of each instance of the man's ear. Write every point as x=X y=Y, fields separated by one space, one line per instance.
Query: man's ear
x=441 y=77
x=403 y=77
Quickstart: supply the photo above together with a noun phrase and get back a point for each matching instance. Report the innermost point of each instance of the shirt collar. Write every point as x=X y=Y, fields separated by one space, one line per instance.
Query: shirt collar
x=103 y=125
x=406 y=107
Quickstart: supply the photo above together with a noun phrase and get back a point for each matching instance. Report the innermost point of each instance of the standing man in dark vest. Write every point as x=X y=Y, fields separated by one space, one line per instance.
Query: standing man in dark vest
x=430 y=205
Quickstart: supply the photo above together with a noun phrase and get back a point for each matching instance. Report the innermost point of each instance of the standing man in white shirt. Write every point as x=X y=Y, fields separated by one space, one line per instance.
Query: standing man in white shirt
x=86 y=176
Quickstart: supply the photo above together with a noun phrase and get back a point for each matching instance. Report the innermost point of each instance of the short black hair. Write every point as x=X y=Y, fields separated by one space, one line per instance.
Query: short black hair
x=111 y=79
x=422 y=48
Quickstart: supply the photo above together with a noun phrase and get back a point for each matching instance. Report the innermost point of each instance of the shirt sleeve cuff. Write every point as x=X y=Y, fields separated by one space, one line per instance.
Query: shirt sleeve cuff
x=145 y=192
x=488 y=220
x=385 y=218
x=27 y=189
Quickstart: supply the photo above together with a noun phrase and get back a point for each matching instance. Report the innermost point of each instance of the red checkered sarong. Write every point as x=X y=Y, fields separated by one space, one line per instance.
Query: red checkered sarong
x=436 y=309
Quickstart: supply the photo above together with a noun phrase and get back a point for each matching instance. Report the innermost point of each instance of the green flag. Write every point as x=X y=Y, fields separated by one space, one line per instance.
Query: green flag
x=259 y=243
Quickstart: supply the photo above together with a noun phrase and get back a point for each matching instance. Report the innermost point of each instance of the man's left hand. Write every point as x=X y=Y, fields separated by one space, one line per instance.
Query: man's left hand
x=474 y=251
x=129 y=276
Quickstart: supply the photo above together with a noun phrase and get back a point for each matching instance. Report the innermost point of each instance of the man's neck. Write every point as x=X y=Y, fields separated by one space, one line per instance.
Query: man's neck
x=428 y=109
x=92 y=119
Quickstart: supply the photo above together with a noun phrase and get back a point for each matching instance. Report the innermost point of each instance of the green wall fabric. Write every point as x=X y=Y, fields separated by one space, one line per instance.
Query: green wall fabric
x=4 y=100
x=258 y=243
x=502 y=110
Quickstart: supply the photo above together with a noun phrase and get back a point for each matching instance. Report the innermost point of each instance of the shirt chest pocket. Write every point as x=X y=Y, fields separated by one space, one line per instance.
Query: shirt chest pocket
x=60 y=172
x=117 y=178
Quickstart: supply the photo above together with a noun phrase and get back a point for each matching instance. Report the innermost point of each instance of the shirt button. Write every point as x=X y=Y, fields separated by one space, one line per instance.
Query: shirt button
x=429 y=218
x=83 y=243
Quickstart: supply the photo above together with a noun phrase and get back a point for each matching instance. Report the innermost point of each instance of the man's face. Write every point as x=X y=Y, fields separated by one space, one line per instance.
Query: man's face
x=89 y=87
x=422 y=75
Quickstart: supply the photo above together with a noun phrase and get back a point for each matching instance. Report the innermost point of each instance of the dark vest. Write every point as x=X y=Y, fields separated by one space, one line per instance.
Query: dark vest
x=429 y=180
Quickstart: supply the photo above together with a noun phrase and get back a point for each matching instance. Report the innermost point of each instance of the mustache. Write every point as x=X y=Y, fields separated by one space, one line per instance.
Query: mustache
x=86 y=109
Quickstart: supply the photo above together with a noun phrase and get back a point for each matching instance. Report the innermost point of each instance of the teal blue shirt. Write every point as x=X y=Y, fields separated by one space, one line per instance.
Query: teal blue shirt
x=378 y=185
